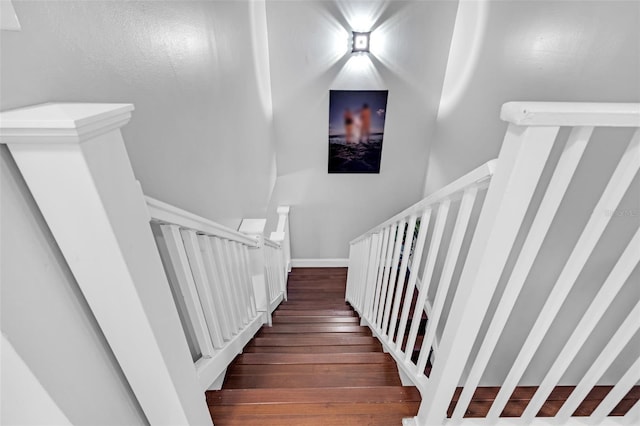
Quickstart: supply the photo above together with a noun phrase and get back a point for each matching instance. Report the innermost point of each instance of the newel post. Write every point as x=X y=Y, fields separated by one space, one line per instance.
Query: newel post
x=75 y=164
x=281 y=235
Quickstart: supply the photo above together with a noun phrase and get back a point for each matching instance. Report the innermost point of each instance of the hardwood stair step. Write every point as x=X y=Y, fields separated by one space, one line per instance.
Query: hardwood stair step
x=228 y=416
x=349 y=358
x=317 y=375
x=314 y=312
x=318 y=335
x=293 y=319
x=301 y=340
x=368 y=394
x=315 y=328
x=257 y=369
x=313 y=349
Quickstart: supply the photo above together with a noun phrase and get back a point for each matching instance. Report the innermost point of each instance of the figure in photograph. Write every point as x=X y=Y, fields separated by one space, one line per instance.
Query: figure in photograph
x=365 y=123
x=356 y=129
x=348 y=125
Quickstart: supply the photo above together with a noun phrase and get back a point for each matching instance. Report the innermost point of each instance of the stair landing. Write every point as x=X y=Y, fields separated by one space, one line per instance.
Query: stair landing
x=315 y=366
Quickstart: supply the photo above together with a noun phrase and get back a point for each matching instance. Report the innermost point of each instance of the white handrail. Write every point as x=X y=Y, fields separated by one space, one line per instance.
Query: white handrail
x=452 y=192
x=164 y=212
x=594 y=114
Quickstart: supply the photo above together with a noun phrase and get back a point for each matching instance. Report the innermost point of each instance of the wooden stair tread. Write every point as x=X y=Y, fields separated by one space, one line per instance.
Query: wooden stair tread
x=285 y=396
x=310 y=419
x=315 y=312
x=256 y=369
x=303 y=319
x=287 y=358
x=308 y=340
x=313 y=349
x=316 y=328
x=342 y=377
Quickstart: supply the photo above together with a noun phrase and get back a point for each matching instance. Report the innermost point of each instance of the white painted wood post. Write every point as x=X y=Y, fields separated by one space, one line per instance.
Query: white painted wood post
x=74 y=161
x=282 y=236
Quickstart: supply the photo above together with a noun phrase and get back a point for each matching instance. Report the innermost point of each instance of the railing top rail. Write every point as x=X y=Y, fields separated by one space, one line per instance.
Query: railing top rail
x=166 y=213
x=596 y=114
x=451 y=191
x=271 y=243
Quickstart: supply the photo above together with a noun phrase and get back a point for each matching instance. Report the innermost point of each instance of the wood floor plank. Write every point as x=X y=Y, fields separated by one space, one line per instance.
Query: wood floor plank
x=304 y=319
x=313 y=349
x=349 y=358
x=315 y=328
x=386 y=419
x=317 y=409
x=369 y=394
x=313 y=340
x=331 y=378
x=253 y=369
x=315 y=312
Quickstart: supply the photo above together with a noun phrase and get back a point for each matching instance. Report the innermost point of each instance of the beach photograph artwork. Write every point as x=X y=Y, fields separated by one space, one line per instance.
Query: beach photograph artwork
x=356 y=129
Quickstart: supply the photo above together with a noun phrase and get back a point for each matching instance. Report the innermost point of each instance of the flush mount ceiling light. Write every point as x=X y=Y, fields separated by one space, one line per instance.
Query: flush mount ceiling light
x=360 y=42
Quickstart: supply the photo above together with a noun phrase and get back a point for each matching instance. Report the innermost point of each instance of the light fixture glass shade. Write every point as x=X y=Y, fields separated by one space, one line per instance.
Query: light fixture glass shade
x=360 y=42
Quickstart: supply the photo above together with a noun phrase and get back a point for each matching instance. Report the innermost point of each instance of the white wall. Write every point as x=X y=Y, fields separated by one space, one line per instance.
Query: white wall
x=548 y=51
x=47 y=320
x=524 y=51
x=308 y=46
x=197 y=72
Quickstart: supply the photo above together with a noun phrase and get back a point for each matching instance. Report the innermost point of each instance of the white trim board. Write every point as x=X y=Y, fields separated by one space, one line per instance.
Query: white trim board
x=319 y=263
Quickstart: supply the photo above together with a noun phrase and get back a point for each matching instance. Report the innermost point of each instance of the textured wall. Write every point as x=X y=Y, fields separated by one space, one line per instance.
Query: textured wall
x=197 y=72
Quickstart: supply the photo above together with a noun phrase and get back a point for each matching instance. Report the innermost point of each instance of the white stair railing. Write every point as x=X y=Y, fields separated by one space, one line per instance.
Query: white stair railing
x=209 y=269
x=384 y=265
x=377 y=276
x=174 y=294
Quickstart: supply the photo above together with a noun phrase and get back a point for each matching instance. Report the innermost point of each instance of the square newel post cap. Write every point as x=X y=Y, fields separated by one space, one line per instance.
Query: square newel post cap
x=62 y=123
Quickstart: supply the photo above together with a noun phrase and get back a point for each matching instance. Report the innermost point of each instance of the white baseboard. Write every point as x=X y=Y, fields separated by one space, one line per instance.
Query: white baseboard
x=319 y=263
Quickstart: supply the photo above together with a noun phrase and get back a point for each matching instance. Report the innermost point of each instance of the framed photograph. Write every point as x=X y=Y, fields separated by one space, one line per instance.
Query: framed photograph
x=356 y=130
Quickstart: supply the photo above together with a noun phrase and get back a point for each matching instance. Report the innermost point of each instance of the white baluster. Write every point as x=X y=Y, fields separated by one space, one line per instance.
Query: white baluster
x=395 y=265
x=218 y=254
x=556 y=189
x=613 y=193
x=387 y=272
x=221 y=295
x=608 y=355
x=209 y=308
x=432 y=255
x=601 y=302
x=451 y=259
x=188 y=290
x=522 y=159
x=406 y=251
x=378 y=284
x=413 y=276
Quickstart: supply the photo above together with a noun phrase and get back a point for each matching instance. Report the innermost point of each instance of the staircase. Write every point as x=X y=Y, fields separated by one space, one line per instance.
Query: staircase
x=315 y=366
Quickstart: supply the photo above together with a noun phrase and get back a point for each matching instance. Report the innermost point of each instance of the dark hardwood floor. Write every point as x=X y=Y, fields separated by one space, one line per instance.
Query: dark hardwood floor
x=318 y=366
x=315 y=366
